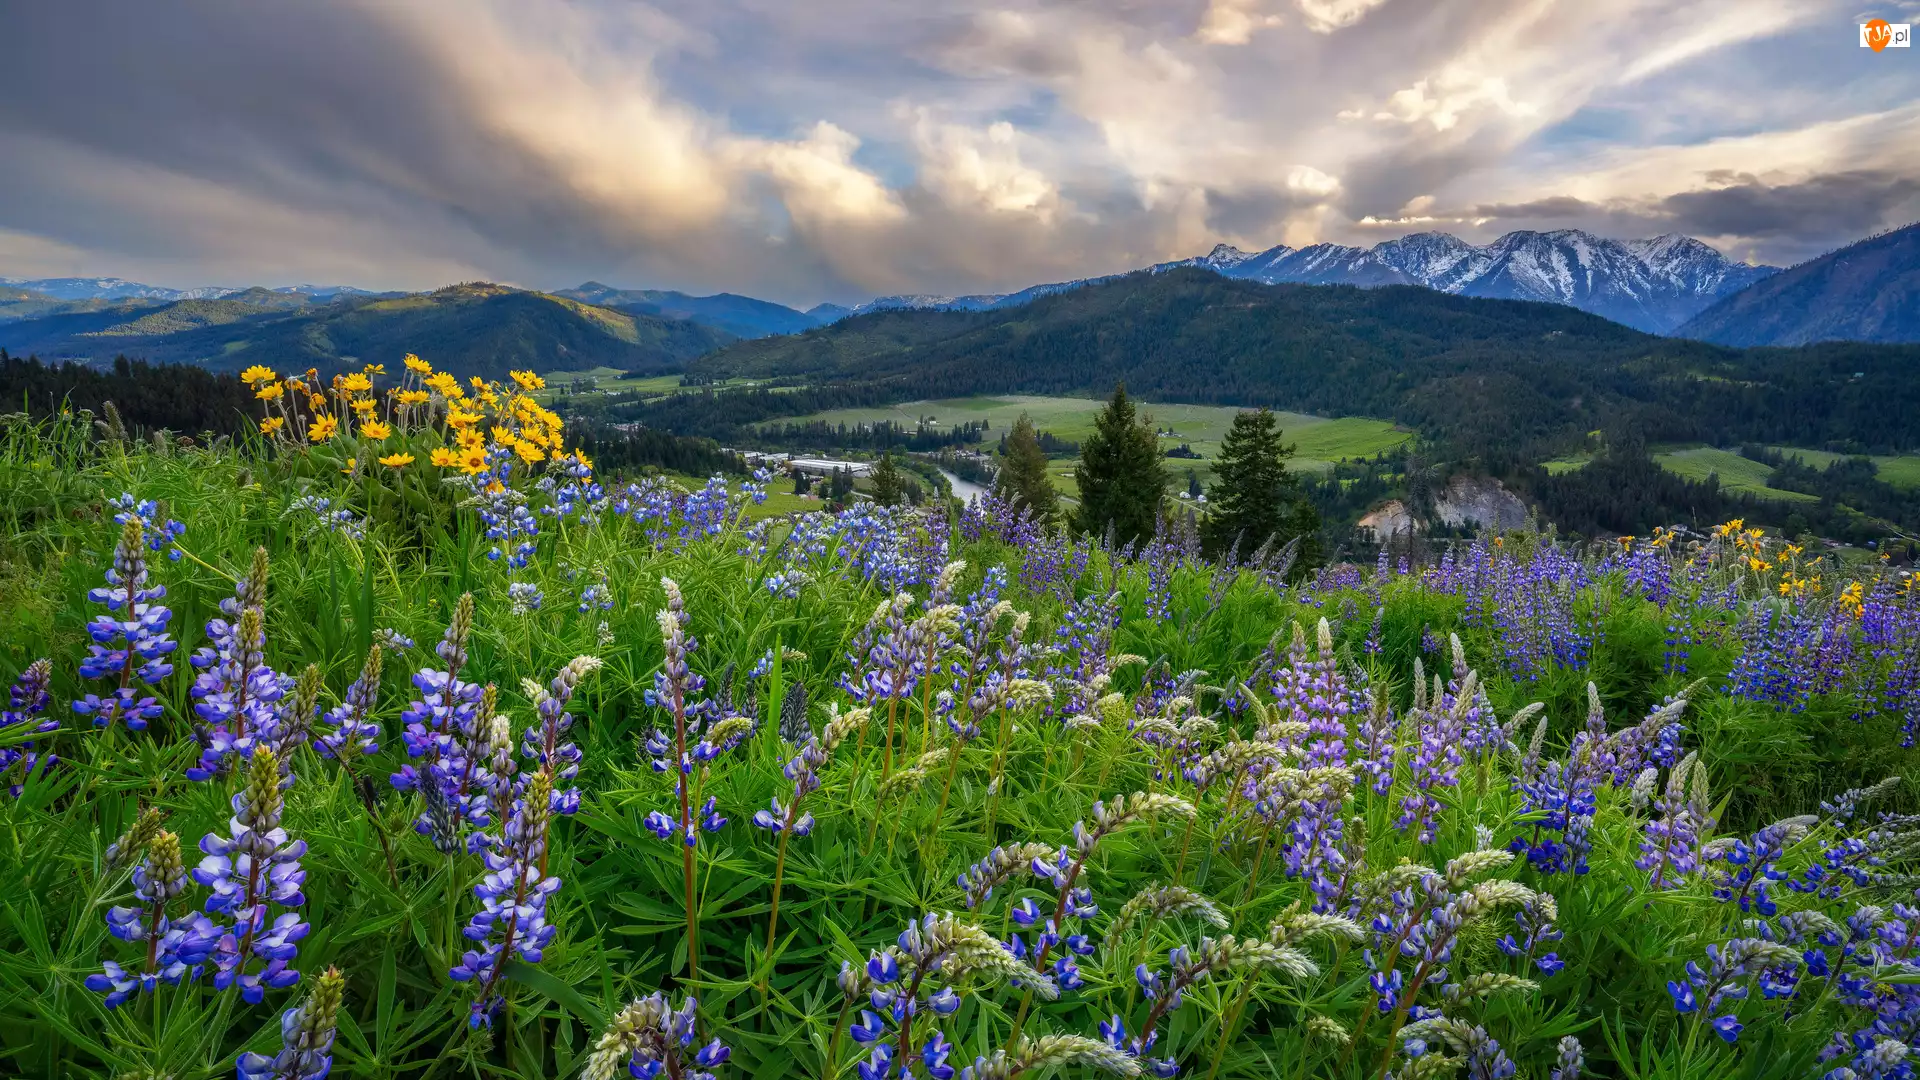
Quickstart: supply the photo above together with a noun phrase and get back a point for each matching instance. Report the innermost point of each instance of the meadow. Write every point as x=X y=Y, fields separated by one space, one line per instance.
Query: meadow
x=1319 y=441
x=397 y=742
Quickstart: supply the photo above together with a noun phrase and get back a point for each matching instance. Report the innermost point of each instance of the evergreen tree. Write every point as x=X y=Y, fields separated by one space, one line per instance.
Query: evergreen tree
x=1121 y=475
x=1193 y=484
x=1254 y=496
x=1023 y=479
x=888 y=488
x=840 y=485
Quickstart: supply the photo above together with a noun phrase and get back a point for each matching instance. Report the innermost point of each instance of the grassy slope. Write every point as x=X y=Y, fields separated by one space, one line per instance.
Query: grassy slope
x=1318 y=439
x=482 y=329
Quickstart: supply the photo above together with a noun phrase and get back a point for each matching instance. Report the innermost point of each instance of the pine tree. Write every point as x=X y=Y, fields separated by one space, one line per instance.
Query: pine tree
x=1023 y=480
x=1121 y=475
x=1254 y=496
x=888 y=487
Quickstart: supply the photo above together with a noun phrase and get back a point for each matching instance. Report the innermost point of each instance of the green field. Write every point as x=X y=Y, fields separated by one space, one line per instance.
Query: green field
x=1570 y=463
x=614 y=381
x=1737 y=474
x=1320 y=441
x=1902 y=470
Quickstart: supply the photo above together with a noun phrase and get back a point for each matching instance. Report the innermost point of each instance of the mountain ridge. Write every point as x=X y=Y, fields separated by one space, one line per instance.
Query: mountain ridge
x=1866 y=291
x=477 y=328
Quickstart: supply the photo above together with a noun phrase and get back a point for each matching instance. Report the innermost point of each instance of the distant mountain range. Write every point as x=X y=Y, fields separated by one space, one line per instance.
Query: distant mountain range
x=1652 y=285
x=1513 y=380
x=118 y=289
x=1668 y=284
x=476 y=329
x=741 y=316
x=1867 y=291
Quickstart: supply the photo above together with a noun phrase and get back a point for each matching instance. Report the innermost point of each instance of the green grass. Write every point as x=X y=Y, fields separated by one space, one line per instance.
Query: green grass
x=387 y=907
x=1570 y=463
x=1737 y=474
x=1320 y=441
x=1900 y=470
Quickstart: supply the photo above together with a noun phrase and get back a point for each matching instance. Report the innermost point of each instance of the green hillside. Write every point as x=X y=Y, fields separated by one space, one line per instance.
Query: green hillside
x=17 y=305
x=481 y=329
x=1505 y=379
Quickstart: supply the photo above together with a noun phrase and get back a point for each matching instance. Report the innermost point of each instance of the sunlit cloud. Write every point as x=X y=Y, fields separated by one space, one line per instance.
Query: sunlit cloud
x=849 y=147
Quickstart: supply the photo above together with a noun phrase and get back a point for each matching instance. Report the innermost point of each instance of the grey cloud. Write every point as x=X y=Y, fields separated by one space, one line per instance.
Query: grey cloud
x=1813 y=211
x=1554 y=207
x=401 y=142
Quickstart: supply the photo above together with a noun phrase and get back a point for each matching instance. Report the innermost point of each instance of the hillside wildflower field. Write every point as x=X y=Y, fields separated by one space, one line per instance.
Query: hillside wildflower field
x=393 y=742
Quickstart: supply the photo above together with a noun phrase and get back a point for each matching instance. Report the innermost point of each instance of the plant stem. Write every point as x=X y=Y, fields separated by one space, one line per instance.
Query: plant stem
x=773 y=915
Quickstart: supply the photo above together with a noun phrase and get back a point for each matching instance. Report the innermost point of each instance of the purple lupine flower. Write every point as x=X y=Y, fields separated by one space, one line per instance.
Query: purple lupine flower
x=1729 y=967
x=355 y=732
x=1535 y=921
x=254 y=868
x=175 y=950
x=650 y=1037
x=160 y=535
x=544 y=743
x=1752 y=866
x=1671 y=850
x=446 y=703
x=27 y=699
x=129 y=639
x=306 y=1036
x=513 y=894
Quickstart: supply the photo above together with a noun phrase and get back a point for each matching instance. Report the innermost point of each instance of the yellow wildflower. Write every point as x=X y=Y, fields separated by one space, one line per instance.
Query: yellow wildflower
x=270 y=392
x=397 y=461
x=353 y=382
x=529 y=453
x=375 y=369
x=322 y=428
x=460 y=418
x=413 y=397
x=473 y=459
x=364 y=406
x=417 y=365
x=443 y=457
x=272 y=424
x=256 y=374
x=374 y=429
x=528 y=380
x=352 y=464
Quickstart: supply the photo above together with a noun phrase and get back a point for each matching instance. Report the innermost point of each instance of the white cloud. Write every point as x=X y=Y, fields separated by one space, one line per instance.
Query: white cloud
x=838 y=148
x=1233 y=22
x=1326 y=16
x=982 y=170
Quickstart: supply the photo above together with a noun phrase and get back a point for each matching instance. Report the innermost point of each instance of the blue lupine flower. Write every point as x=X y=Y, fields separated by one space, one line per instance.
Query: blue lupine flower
x=306 y=1036
x=27 y=698
x=129 y=639
x=253 y=868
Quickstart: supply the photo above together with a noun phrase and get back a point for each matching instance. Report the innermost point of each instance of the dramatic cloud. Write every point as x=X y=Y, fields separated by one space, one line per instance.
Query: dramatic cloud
x=841 y=148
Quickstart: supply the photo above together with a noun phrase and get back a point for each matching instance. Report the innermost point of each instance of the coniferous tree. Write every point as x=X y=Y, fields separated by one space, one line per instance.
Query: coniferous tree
x=1121 y=476
x=888 y=488
x=1023 y=479
x=1255 y=496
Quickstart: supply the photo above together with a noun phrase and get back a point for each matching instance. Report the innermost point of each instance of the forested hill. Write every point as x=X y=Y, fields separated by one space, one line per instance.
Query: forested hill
x=1495 y=377
x=478 y=329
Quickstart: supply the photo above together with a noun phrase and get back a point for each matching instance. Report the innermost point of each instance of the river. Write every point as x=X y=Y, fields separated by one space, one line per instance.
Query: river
x=964 y=490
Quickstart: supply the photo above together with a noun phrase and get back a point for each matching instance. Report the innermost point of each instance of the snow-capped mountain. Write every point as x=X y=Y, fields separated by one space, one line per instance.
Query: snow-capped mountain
x=120 y=289
x=1653 y=285
x=924 y=302
x=109 y=289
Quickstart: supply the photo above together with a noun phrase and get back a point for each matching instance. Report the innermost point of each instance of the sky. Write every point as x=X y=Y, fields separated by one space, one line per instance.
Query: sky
x=833 y=150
